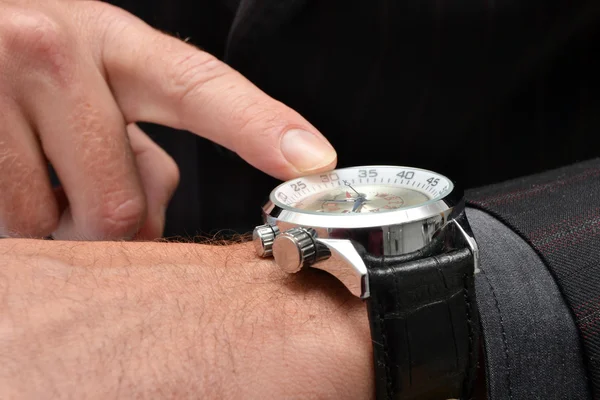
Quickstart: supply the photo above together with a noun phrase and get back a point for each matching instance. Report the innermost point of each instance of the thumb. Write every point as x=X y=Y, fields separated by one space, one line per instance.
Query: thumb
x=160 y=79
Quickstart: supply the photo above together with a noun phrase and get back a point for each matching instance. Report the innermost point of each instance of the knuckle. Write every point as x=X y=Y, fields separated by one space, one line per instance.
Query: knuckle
x=265 y=114
x=121 y=216
x=191 y=73
x=116 y=205
x=39 y=40
x=257 y=121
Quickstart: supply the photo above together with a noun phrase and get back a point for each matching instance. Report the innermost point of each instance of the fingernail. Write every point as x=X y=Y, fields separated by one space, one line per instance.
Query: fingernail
x=306 y=151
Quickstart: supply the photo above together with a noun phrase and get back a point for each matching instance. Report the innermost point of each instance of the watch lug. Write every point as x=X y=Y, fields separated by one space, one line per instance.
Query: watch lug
x=345 y=263
x=466 y=233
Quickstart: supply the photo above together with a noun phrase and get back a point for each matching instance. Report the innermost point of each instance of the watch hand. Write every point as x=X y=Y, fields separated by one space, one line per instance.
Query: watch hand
x=348 y=184
x=339 y=201
x=358 y=204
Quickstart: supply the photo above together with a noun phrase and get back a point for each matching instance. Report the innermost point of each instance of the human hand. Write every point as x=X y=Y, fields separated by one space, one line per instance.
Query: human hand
x=75 y=77
x=103 y=320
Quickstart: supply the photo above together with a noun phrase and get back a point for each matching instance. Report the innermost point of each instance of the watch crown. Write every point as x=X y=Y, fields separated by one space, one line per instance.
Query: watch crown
x=295 y=248
x=263 y=238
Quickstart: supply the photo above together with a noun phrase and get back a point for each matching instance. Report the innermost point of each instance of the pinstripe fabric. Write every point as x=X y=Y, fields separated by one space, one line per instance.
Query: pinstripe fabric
x=528 y=329
x=558 y=213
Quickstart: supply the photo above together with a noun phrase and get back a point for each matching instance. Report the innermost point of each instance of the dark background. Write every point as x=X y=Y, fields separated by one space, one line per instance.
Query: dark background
x=481 y=91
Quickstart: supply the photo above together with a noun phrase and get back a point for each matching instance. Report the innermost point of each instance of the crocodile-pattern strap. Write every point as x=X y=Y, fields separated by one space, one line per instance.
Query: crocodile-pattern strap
x=424 y=326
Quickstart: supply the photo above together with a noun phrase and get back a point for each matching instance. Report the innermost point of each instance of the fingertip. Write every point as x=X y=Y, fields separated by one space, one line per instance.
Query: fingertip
x=307 y=152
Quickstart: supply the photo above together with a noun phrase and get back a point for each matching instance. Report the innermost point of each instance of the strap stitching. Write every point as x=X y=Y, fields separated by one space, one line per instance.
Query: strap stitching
x=386 y=355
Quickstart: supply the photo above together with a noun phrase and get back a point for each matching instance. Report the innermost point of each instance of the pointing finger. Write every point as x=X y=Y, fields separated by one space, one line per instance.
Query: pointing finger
x=157 y=78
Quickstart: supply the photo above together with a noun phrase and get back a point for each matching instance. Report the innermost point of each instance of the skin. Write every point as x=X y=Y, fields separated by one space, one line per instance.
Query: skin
x=76 y=76
x=114 y=319
x=156 y=320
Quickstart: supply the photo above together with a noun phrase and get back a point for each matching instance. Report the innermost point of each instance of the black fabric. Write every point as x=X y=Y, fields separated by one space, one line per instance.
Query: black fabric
x=558 y=213
x=424 y=326
x=392 y=81
x=439 y=85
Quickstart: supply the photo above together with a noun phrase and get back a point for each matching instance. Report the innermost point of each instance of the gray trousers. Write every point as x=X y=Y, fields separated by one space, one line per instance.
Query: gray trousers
x=532 y=346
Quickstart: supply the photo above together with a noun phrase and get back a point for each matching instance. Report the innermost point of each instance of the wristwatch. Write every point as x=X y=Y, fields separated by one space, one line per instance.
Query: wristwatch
x=397 y=237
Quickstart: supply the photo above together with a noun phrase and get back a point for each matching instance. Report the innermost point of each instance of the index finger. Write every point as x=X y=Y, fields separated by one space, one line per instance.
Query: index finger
x=157 y=78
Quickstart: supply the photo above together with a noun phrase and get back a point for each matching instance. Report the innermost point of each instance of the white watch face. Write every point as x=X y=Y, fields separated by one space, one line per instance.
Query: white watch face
x=362 y=190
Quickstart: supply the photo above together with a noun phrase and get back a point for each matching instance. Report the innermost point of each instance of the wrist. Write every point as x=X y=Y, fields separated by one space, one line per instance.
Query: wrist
x=299 y=335
x=178 y=319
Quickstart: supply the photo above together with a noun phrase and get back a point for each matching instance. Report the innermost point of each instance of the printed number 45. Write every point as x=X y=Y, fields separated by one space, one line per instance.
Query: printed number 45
x=433 y=181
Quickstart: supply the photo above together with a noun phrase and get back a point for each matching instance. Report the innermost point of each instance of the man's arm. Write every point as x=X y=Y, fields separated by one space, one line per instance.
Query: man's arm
x=76 y=76
x=137 y=320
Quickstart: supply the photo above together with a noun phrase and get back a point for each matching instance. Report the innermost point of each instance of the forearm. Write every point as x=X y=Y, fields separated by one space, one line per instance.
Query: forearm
x=175 y=320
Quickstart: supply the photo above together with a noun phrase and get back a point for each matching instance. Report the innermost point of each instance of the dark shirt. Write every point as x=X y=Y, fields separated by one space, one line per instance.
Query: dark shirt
x=481 y=91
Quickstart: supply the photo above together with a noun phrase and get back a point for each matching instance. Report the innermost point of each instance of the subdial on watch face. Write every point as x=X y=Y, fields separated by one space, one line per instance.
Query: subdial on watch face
x=386 y=201
x=338 y=202
x=369 y=200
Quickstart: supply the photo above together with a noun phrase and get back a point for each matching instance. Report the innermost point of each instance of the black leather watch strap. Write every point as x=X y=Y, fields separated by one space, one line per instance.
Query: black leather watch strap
x=424 y=326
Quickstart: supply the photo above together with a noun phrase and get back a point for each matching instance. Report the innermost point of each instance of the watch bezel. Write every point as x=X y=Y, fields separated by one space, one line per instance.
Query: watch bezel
x=445 y=207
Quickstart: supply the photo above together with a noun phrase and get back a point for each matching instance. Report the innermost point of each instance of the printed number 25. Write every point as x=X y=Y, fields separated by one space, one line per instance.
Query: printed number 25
x=298 y=186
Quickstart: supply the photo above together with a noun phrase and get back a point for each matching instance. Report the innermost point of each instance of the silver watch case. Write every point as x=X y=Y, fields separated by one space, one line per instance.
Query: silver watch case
x=382 y=234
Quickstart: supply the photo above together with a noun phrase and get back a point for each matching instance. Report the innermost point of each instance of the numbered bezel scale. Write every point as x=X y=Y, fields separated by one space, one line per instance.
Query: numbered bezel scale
x=286 y=200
